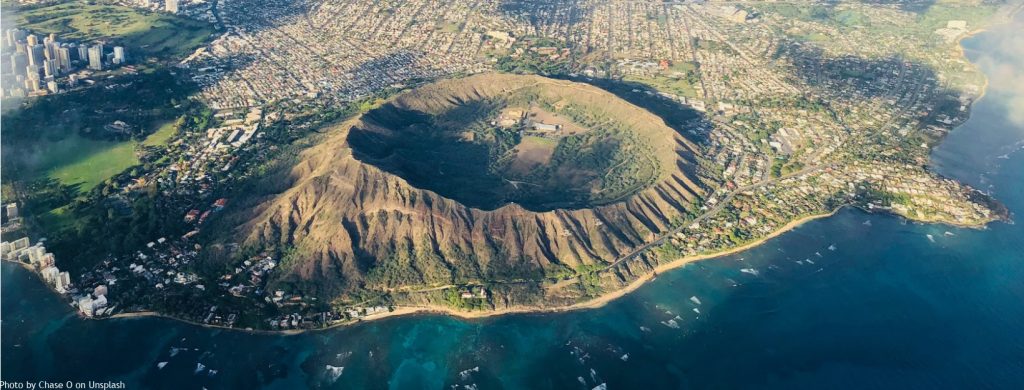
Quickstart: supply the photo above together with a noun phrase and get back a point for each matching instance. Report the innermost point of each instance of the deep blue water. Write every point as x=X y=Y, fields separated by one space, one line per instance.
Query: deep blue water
x=887 y=308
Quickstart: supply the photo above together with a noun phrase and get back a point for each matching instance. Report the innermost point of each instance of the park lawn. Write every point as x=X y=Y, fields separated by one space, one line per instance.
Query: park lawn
x=163 y=134
x=141 y=31
x=678 y=86
x=87 y=163
x=78 y=160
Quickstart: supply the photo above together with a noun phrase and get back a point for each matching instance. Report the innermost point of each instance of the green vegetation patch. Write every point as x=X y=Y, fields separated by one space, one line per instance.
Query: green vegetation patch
x=88 y=163
x=162 y=135
x=85 y=163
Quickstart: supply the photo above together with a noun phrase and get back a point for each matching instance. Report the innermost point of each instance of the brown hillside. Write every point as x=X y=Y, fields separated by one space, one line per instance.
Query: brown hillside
x=353 y=225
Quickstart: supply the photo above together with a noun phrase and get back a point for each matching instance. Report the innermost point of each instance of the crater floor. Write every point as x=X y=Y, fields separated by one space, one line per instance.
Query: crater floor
x=527 y=143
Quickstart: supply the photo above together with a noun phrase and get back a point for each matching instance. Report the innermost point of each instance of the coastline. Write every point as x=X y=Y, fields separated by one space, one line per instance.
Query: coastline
x=23 y=265
x=594 y=303
x=605 y=299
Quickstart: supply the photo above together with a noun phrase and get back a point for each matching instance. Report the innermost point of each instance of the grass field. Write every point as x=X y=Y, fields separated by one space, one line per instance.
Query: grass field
x=77 y=160
x=87 y=163
x=161 y=135
x=678 y=86
x=142 y=32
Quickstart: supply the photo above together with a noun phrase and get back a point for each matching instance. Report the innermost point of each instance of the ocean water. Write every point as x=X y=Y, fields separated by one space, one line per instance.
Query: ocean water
x=885 y=307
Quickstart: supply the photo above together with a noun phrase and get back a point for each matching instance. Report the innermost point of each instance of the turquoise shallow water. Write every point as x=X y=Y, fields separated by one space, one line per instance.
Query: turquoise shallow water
x=888 y=307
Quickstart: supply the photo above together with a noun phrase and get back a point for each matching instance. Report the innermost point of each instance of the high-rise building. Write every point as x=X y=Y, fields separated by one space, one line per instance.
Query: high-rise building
x=50 y=50
x=85 y=306
x=50 y=274
x=119 y=57
x=35 y=55
x=32 y=72
x=64 y=58
x=50 y=68
x=32 y=39
x=31 y=85
x=96 y=57
x=14 y=36
x=171 y=6
x=48 y=46
x=83 y=52
x=63 y=282
x=35 y=253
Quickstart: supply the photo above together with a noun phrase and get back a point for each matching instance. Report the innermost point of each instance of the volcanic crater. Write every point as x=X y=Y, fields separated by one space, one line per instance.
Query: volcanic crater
x=483 y=178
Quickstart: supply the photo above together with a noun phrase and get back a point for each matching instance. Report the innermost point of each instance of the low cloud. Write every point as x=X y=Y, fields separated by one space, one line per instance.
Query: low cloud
x=1005 y=67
